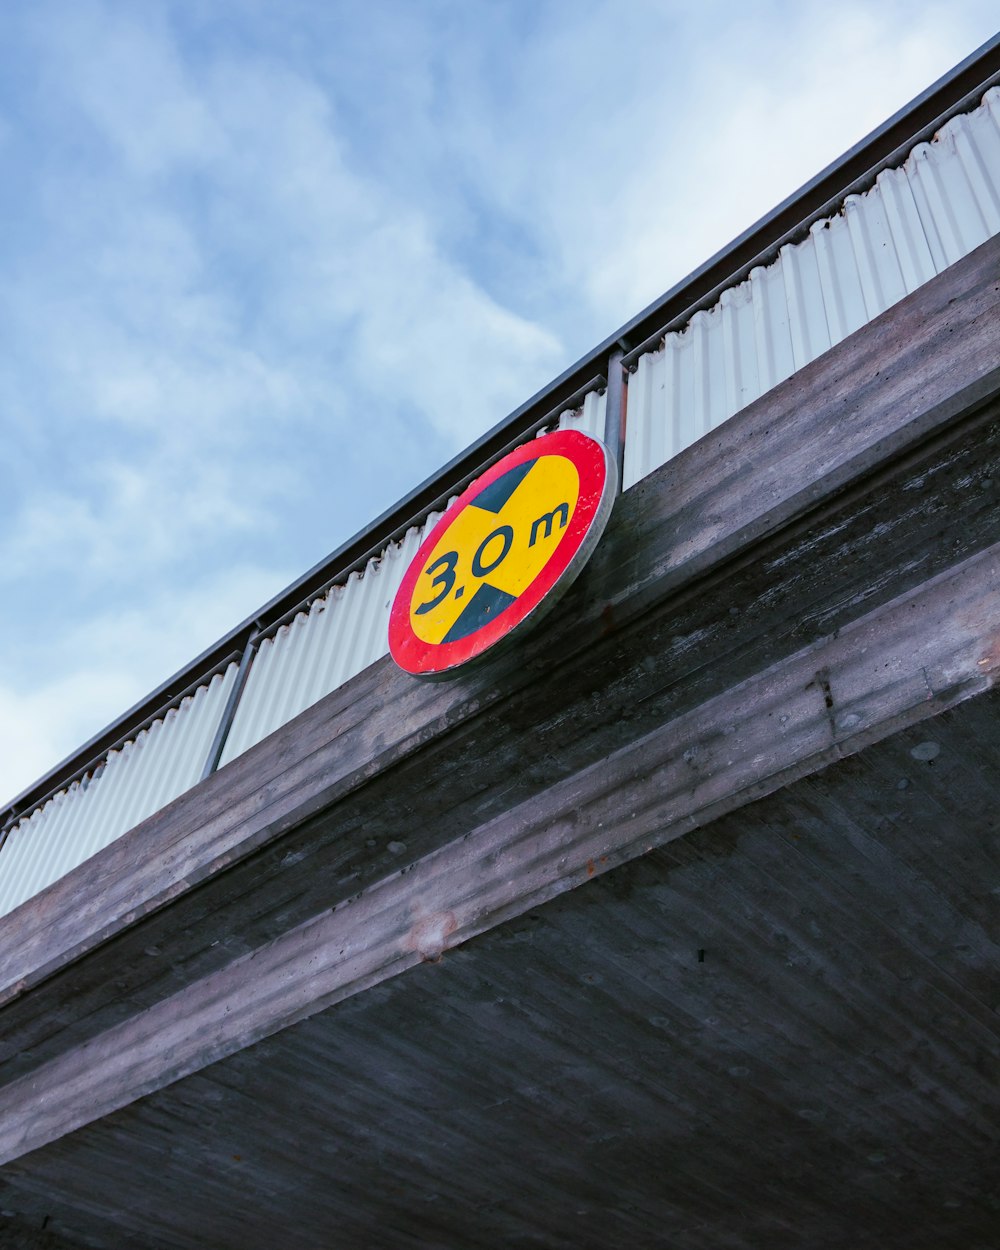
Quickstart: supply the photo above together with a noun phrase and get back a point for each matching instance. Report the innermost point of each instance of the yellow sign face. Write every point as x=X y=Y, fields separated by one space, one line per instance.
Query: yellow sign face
x=506 y=549
x=503 y=553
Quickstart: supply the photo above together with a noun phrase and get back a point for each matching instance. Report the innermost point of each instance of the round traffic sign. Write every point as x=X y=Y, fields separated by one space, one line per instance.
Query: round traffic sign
x=501 y=556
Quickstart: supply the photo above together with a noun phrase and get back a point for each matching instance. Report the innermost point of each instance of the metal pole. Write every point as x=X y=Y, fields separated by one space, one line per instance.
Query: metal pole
x=229 y=711
x=614 y=418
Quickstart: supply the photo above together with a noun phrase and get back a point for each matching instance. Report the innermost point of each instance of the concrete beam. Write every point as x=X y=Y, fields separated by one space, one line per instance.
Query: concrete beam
x=903 y=662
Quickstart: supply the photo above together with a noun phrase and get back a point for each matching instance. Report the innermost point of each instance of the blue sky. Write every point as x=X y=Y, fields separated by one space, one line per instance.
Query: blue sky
x=265 y=267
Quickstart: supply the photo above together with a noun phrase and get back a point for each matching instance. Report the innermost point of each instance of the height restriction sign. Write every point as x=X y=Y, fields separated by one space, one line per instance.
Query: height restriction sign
x=502 y=555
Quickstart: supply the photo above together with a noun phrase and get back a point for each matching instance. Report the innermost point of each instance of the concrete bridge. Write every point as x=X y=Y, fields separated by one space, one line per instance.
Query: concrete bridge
x=674 y=926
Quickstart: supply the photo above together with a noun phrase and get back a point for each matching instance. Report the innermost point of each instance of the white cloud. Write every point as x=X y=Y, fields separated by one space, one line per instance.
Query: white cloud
x=123 y=70
x=219 y=282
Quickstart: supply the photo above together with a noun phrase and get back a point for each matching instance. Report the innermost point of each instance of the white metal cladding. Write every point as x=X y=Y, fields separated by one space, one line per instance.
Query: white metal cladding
x=589 y=417
x=339 y=634
x=914 y=222
x=144 y=775
x=344 y=630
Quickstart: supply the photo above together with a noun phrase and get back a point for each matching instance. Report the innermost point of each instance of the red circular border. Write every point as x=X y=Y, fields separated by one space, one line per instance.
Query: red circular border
x=595 y=466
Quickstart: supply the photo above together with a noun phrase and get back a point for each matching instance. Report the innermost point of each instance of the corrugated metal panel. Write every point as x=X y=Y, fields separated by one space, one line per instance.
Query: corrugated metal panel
x=339 y=634
x=343 y=631
x=589 y=417
x=147 y=772
x=914 y=222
